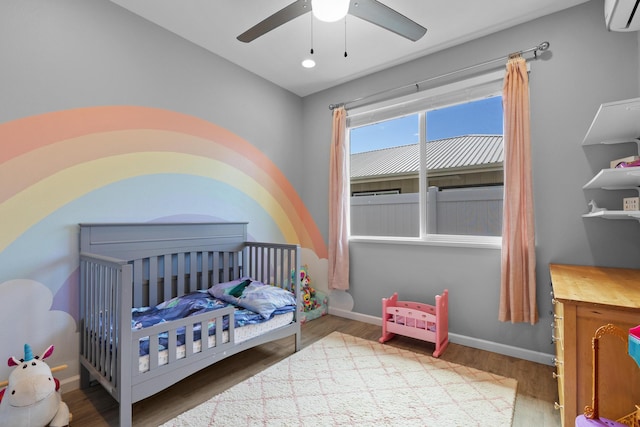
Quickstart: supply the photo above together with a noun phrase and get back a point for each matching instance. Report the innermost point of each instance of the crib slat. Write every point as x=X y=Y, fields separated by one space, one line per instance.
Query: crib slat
x=215 y=267
x=236 y=265
x=137 y=284
x=153 y=281
x=180 y=272
x=193 y=271
x=205 y=269
x=225 y=267
x=267 y=274
x=250 y=264
x=167 y=285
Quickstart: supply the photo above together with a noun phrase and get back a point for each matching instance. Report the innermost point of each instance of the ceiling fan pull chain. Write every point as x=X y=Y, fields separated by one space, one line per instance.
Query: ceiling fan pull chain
x=345 y=36
x=311 y=51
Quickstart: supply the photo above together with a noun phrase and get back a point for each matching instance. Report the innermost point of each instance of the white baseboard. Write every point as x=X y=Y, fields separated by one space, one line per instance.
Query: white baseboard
x=507 y=350
x=70 y=384
x=356 y=316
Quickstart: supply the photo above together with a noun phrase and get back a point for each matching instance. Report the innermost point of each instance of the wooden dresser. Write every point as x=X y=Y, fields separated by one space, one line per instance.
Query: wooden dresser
x=586 y=298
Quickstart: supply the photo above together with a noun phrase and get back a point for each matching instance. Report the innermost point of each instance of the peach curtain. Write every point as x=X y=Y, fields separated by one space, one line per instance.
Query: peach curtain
x=518 y=272
x=339 y=204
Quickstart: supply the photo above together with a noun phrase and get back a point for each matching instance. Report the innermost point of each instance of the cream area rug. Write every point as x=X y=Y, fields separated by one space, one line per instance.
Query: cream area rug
x=342 y=380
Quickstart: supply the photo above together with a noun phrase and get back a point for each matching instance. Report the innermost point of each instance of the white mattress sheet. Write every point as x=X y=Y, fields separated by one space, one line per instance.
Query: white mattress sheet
x=241 y=334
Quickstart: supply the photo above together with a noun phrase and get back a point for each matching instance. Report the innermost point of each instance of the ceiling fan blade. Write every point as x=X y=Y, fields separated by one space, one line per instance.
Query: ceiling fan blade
x=282 y=16
x=383 y=16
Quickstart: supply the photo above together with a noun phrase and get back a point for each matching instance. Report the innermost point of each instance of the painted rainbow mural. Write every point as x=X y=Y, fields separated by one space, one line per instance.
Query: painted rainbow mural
x=85 y=149
x=119 y=163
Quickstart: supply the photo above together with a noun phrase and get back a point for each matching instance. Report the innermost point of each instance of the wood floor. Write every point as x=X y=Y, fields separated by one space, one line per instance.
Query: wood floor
x=537 y=390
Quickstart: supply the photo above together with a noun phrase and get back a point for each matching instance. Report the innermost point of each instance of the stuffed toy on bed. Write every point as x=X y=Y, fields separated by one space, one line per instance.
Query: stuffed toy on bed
x=32 y=397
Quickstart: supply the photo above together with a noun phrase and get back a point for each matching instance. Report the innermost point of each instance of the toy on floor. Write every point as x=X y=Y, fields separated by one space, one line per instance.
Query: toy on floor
x=309 y=301
x=416 y=320
x=32 y=396
x=314 y=303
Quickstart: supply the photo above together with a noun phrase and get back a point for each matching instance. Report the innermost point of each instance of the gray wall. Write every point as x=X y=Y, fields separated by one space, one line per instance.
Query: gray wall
x=64 y=54
x=585 y=67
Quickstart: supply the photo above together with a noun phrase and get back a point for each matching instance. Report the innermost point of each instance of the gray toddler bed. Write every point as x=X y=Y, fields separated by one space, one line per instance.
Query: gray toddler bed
x=127 y=266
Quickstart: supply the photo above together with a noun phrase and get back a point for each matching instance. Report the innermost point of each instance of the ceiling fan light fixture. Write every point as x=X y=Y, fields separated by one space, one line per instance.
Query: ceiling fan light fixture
x=330 y=10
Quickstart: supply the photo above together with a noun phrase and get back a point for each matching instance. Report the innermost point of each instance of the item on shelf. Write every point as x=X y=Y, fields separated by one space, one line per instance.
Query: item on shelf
x=593 y=206
x=631 y=204
x=628 y=164
x=616 y=163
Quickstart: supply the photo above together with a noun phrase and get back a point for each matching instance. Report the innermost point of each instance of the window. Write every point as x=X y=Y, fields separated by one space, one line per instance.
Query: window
x=430 y=164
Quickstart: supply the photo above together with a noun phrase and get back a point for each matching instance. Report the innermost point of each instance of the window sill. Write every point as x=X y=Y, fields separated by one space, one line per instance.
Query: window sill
x=478 y=242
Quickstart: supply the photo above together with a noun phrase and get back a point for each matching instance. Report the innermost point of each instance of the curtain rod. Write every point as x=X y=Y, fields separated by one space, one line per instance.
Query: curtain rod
x=541 y=47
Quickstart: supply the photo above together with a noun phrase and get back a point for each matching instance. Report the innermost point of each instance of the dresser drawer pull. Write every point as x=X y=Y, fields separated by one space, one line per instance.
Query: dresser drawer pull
x=556 y=406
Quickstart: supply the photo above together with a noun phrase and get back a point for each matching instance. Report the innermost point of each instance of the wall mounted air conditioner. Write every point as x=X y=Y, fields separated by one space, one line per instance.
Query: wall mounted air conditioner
x=622 y=15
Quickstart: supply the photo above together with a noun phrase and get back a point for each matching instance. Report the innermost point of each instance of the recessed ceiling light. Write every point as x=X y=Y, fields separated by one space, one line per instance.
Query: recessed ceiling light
x=308 y=63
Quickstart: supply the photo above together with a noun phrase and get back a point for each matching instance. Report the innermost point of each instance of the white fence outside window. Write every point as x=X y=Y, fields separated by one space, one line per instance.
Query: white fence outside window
x=475 y=211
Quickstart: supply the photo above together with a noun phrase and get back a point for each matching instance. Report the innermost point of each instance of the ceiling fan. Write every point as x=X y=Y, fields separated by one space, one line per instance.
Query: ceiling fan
x=369 y=10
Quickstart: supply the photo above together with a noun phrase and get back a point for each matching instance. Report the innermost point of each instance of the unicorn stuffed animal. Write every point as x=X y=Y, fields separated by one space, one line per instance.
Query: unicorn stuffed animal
x=32 y=398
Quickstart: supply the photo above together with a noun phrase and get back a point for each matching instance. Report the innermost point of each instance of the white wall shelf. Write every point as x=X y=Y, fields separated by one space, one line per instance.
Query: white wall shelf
x=606 y=214
x=615 y=123
x=615 y=179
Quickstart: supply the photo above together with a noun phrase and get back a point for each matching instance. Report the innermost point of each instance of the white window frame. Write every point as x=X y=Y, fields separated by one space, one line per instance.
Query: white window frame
x=478 y=87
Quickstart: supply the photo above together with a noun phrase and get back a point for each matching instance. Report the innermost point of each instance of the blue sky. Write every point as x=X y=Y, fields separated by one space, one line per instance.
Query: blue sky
x=480 y=117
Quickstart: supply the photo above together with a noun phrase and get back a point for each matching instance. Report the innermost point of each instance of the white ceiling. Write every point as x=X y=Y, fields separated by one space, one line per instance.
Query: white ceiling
x=277 y=55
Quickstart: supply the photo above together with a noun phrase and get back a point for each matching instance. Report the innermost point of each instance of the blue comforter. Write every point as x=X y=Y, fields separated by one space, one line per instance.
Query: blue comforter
x=201 y=302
